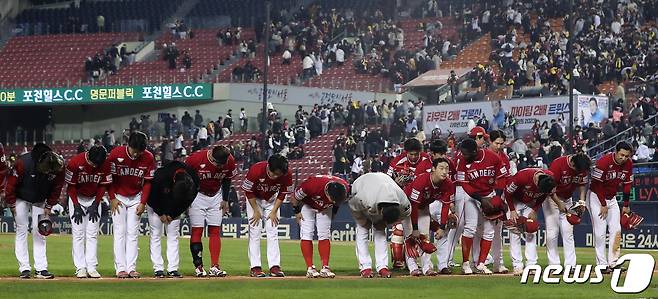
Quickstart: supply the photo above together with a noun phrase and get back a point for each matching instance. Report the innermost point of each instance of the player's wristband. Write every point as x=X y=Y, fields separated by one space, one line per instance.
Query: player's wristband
x=414 y=226
x=476 y=197
x=499 y=192
x=297 y=209
x=442 y=226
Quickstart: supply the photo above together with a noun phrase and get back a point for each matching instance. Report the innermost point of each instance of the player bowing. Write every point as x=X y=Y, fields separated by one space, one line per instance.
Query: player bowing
x=266 y=186
x=87 y=183
x=33 y=188
x=132 y=168
x=215 y=168
x=611 y=171
x=403 y=169
x=377 y=202
x=173 y=189
x=426 y=190
x=525 y=193
x=477 y=172
x=315 y=202
x=570 y=173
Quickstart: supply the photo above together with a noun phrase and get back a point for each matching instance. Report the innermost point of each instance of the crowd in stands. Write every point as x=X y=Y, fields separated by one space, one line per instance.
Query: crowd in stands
x=108 y=62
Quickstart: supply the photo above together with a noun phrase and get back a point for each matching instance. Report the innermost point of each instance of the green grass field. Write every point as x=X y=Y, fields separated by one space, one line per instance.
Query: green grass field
x=234 y=260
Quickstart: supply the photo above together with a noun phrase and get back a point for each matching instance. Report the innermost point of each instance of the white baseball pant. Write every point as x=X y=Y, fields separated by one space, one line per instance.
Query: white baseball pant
x=473 y=217
x=557 y=224
x=126 y=225
x=255 y=232
x=25 y=210
x=172 y=230
x=530 y=241
x=424 y=229
x=85 y=236
x=446 y=245
x=381 y=247
x=313 y=219
x=206 y=208
x=610 y=224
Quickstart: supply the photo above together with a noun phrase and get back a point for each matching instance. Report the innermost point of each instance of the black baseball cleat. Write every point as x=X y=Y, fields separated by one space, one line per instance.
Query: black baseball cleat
x=175 y=274
x=44 y=274
x=159 y=274
x=25 y=274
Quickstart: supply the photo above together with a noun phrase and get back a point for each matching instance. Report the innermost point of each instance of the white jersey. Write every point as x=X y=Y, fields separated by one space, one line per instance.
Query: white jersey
x=372 y=189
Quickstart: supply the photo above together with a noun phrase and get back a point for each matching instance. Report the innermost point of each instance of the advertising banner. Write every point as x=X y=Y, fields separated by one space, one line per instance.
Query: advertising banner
x=454 y=117
x=591 y=109
x=104 y=94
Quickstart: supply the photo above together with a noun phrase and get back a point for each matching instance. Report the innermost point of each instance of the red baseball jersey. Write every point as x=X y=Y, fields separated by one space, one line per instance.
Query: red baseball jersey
x=479 y=177
x=85 y=177
x=258 y=184
x=607 y=176
x=210 y=175
x=129 y=174
x=521 y=187
x=311 y=191
x=501 y=183
x=422 y=192
x=566 y=178
x=401 y=165
x=4 y=170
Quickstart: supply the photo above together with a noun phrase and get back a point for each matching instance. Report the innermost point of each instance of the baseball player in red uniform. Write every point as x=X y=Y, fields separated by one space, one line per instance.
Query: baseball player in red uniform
x=497 y=144
x=215 y=168
x=525 y=193
x=315 y=202
x=33 y=187
x=444 y=245
x=403 y=169
x=477 y=172
x=426 y=189
x=86 y=185
x=4 y=170
x=611 y=171
x=570 y=173
x=266 y=186
x=132 y=168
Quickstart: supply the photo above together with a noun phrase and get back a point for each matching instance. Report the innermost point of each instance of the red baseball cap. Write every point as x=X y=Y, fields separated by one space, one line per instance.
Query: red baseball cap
x=478 y=131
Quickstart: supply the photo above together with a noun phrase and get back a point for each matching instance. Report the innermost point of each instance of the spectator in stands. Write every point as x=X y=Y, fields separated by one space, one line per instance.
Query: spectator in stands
x=187 y=60
x=308 y=69
x=243 y=120
x=287 y=56
x=228 y=124
x=100 y=23
x=187 y=120
x=198 y=119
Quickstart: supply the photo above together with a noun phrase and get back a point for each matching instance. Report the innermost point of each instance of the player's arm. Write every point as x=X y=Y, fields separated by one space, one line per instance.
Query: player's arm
x=447 y=199
x=56 y=191
x=286 y=188
x=415 y=198
x=146 y=187
x=71 y=179
x=627 y=184
x=598 y=173
x=249 y=192
x=297 y=200
x=558 y=202
x=13 y=181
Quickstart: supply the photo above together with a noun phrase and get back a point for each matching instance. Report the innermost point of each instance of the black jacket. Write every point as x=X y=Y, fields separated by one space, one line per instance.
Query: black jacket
x=161 y=199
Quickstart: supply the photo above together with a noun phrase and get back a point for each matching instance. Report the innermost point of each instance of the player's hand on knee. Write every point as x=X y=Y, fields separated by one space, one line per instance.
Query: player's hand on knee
x=439 y=234
x=114 y=206
x=256 y=217
x=626 y=210
x=603 y=213
x=513 y=216
x=47 y=211
x=274 y=218
x=92 y=211
x=164 y=219
x=78 y=213
x=415 y=233
x=224 y=206
x=140 y=209
x=299 y=217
